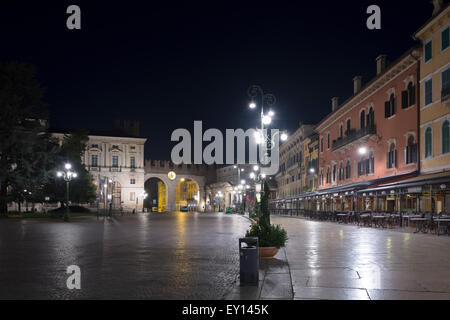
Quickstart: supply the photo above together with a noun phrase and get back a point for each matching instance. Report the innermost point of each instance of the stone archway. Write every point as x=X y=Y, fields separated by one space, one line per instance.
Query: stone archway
x=187 y=195
x=171 y=189
x=156 y=194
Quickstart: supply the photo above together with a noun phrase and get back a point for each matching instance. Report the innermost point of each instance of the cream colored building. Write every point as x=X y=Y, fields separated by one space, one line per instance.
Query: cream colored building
x=435 y=91
x=116 y=164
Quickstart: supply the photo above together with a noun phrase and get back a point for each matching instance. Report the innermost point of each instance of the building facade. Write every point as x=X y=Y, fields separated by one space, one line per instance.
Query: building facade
x=372 y=136
x=294 y=158
x=435 y=92
x=116 y=164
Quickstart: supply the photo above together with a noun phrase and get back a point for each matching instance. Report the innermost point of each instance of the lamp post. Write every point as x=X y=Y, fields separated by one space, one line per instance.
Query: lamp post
x=68 y=175
x=268 y=100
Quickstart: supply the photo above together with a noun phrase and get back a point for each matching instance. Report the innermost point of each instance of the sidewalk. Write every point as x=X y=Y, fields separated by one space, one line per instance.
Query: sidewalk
x=274 y=281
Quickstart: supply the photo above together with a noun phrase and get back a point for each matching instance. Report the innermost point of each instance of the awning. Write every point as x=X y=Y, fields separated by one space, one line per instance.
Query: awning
x=420 y=180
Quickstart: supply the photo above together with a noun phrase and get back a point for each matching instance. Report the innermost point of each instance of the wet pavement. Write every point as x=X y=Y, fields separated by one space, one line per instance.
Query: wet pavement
x=159 y=256
x=337 y=262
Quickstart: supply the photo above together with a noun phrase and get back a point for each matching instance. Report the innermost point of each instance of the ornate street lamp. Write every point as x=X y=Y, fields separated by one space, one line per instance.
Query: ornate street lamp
x=68 y=175
x=267 y=100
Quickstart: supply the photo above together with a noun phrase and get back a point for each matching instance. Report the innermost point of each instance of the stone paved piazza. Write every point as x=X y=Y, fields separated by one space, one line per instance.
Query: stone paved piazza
x=195 y=256
x=160 y=256
x=334 y=261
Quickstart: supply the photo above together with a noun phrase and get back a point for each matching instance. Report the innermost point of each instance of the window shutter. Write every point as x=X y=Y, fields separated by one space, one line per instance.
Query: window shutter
x=404 y=99
x=388 y=162
x=372 y=163
x=394 y=102
x=387 y=109
x=394 y=160
x=405 y=153
x=412 y=96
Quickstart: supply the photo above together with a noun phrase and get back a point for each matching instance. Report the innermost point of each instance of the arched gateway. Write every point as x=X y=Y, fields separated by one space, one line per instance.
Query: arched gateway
x=184 y=185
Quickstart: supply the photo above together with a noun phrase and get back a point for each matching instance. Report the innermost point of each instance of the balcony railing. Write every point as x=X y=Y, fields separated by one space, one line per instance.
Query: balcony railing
x=353 y=136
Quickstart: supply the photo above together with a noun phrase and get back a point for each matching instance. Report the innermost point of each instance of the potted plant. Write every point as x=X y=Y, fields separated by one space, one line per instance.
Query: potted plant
x=271 y=237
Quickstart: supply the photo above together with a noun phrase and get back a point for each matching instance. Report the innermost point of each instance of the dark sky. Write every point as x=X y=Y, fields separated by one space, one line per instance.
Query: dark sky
x=168 y=64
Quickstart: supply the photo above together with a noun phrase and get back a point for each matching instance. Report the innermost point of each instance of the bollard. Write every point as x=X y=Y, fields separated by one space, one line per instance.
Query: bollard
x=249 y=261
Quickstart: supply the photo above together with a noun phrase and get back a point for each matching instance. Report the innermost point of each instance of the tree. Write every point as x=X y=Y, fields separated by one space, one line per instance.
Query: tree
x=24 y=146
x=82 y=188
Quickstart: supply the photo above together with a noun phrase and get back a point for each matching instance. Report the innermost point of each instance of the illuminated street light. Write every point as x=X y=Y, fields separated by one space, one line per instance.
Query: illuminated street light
x=252 y=105
x=252 y=175
x=242 y=181
x=255 y=168
x=263 y=175
x=284 y=137
x=271 y=113
x=68 y=176
x=312 y=170
x=266 y=120
x=362 y=151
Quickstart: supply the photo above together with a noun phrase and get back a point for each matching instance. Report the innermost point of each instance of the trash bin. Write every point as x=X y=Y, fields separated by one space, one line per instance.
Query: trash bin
x=249 y=261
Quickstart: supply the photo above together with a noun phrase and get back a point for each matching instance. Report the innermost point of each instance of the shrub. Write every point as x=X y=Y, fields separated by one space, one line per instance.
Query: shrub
x=72 y=209
x=272 y=236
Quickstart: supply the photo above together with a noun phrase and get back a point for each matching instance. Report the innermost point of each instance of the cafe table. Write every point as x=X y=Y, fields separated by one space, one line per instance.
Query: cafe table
x=379 y=221
x=420 y=224
x=440 y=220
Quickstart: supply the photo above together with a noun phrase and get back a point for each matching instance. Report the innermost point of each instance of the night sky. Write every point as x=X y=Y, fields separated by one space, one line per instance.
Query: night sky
x=168 y=64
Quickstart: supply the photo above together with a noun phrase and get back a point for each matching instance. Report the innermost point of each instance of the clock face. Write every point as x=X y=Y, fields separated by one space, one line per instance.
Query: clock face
x=172 y=175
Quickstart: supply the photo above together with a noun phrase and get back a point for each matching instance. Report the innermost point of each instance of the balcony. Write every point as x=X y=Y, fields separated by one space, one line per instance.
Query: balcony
x=354 y=135
x=445 y=96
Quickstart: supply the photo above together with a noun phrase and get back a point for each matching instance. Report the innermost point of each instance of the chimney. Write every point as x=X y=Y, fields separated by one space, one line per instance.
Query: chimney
x=356 y=84
x=381 y=63
x=437 y=6
x=334 y=103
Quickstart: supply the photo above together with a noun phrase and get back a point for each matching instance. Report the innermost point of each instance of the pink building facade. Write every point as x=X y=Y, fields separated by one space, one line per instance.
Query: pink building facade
x=372 y=137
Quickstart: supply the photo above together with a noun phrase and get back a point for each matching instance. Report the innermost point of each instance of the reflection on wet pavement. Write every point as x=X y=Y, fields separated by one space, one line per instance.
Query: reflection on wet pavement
x=330 y=261
x=160 y=256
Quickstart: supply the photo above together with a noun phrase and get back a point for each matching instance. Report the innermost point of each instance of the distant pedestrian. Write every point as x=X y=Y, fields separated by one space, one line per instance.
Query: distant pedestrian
x=110 y=209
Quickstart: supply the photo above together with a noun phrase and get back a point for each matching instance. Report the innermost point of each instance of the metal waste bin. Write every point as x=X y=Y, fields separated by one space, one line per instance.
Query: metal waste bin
x=249 y=261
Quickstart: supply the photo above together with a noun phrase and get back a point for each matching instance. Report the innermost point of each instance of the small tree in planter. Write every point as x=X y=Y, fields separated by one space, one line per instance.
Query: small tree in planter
x=271 y=237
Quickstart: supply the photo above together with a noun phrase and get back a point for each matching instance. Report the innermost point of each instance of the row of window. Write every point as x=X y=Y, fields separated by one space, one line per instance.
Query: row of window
x=115 y=161
x=366 y=166
x=445 y=139
x=113 y=147
x=445 y=40
x=364 y=121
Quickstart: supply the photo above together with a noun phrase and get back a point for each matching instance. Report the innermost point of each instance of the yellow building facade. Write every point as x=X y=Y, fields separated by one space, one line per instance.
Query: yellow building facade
x=434 y=114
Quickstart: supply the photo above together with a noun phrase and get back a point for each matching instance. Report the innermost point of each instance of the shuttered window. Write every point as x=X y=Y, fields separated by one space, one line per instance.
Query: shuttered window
x=391 y=157
x=428 y=51
x=446 y=80
x=408 y=96
x=445 y=38
x=389 y=106
x=445 y=137
x=428 y=91
x=428 y=141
